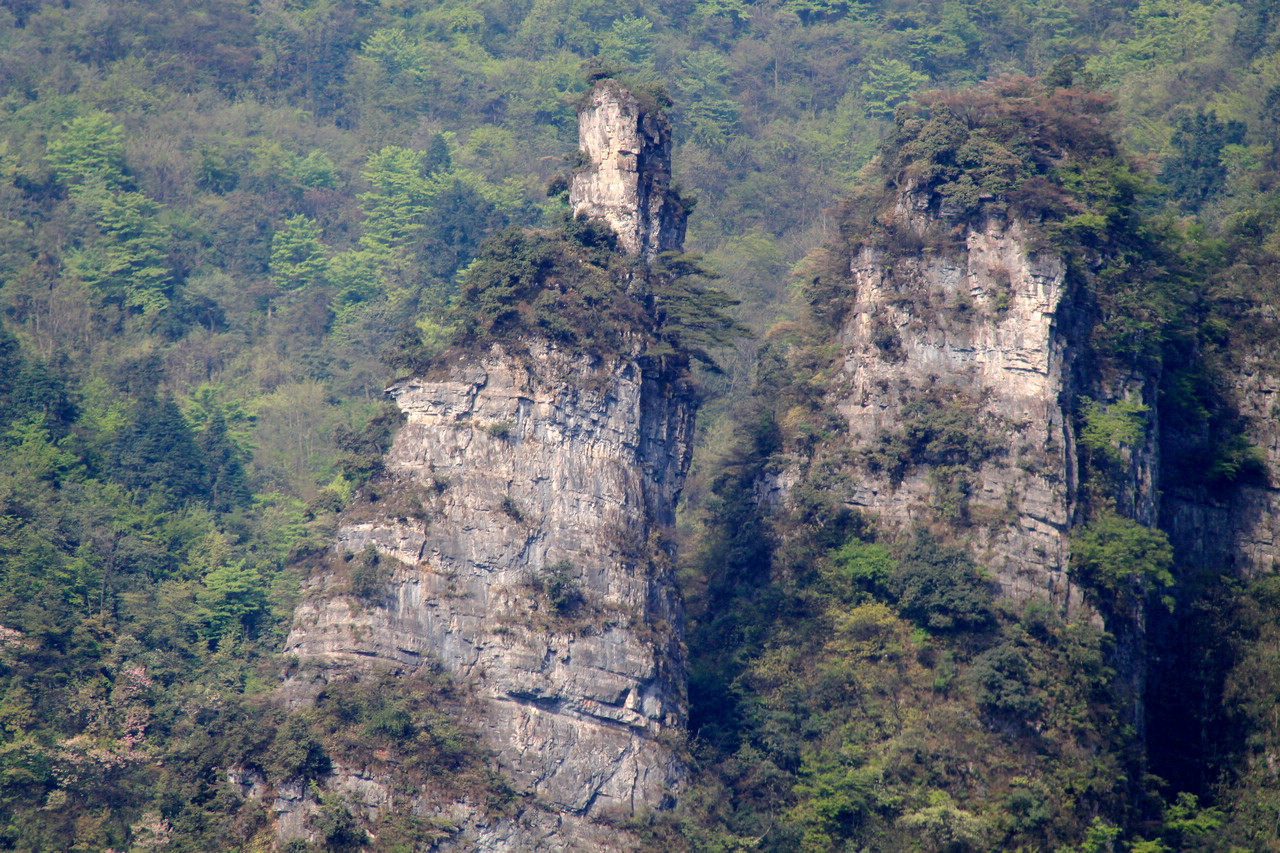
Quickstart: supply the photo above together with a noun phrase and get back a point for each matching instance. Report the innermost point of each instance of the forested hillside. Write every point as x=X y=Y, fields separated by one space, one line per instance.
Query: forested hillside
x=225 y=227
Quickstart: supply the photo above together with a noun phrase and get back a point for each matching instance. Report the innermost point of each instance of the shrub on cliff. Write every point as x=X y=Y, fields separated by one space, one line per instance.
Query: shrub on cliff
x=574 y=287
x=1000 y=147
x=564 y=285
x=1120 y=561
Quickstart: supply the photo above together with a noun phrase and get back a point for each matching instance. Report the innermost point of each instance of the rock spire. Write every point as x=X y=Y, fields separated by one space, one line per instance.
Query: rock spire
x=625 y=178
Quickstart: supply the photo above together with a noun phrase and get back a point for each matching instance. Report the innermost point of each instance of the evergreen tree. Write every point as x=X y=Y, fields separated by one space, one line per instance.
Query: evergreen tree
x=157 y=453
x=90 y=149
x=227 y=486
x=1197 y=172
x=298 y=259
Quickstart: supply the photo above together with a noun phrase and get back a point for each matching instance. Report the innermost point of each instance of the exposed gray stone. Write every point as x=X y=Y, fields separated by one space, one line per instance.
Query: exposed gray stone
x=988 y=322
x=528 y=461
x=992 y=323
x=626 y=179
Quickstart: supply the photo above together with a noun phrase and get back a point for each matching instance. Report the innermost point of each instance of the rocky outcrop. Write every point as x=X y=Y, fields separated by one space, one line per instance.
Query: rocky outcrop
x=525 y=509
x=626 y=175
x=980 y=339
x=962 y=361
x=1237 y=529
x=987 y=336
x=520 y=537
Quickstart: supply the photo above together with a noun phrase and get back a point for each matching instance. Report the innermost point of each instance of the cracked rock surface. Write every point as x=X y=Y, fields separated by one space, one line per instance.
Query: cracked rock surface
x=525 y=507
x=626 y=176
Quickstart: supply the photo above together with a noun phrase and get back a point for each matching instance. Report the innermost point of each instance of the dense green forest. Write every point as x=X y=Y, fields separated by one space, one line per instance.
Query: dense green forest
x=225 y=226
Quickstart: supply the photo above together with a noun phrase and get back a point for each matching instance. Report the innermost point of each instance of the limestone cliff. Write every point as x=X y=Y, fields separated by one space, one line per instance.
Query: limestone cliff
x=961 y=369
x=520 y=537
x=982 y=331
x=511 y=475
x=625 y=178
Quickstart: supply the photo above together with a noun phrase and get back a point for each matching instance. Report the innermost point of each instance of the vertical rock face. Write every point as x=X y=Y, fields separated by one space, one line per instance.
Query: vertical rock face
x=978 y=330
x=989 y=333
x=967 y=358
x=523 y=507
x=626 y=177
x=1237 y=528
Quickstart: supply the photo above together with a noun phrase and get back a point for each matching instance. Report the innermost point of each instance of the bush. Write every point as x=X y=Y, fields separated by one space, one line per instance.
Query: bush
x=1005 y=684
x=561 y=588
x=499 y=429
x=1120 y=561
x=511 y=508
x=940 y=588
x=941 y=428
x=363 y=449
x=370 y=574
x=937 y=587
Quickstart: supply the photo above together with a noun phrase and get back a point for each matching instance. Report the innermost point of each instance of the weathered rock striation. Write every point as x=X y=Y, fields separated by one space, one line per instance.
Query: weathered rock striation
x=980 y=334
x=626 y=177
x=525 y=511
x=959 y=371
x=988 y=334
x=525 y=477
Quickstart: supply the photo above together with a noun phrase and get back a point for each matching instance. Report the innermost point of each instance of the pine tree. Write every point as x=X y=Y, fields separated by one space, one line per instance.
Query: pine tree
x=297 y=256
x=226 y=484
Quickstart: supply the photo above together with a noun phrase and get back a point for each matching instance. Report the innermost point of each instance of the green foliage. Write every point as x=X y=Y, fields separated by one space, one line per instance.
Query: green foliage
x=1004 y=682
x=890 y=82
x=89 y=150
x=863 y=565
x=561 y=587
x=1004 y=146
x=499 y=429
x=1112 y=435
x=233 y=596
x=938 y=587
x=1120 y=561
x=940 y=429
x=369 y=574
x=150 y=153
x=124 y=252
x=1197 y=172
x=297 y=255
x=571 y=287
x=157 y=451
x=1237 y=460
x=337 y=827
x=402 y=197
x=944 y=826
x=1101 y=837
x=1111 y=430
x=691 y=315
x=809 y=727
x=941 y=588
x=363 y=449
x=564 y=287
